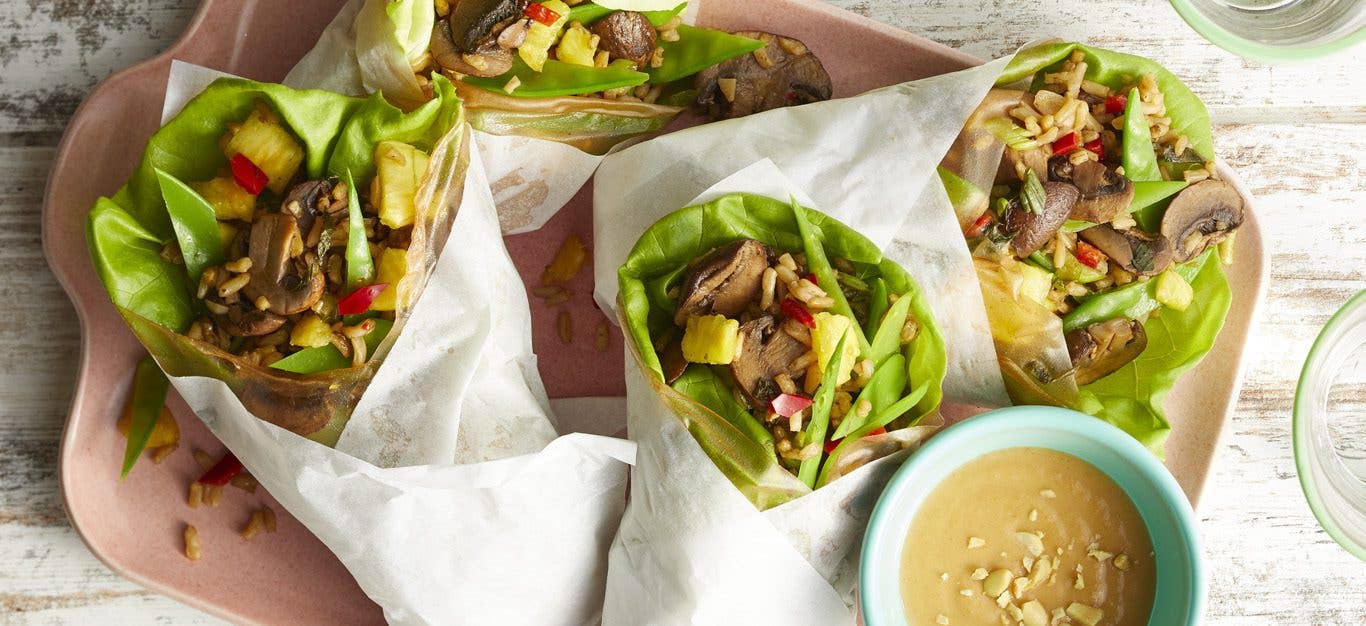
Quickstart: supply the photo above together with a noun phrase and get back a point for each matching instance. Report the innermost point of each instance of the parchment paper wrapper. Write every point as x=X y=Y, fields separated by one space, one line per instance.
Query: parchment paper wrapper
x=535 y=160
x=448 y=495
x=692 y=548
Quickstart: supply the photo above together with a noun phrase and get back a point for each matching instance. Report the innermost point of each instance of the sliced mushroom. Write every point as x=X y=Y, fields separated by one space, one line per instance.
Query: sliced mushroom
x=487 y=60
x=1105 y=193
x=302 y=201
x=1188 y=156
x=627 y=35
x=1033 y=230
x=1134 y=250
x=782 y=73
x=765 y=352
x=673 y=361
x=724 y=282
x=474 y=23
x=274 y=274
x=245 y=320
x=1102 y=348
x=1035 y=159
x=1201 y=215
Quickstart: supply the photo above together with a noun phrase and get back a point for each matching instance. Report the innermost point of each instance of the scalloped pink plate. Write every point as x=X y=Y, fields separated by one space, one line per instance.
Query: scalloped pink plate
x=135 y=526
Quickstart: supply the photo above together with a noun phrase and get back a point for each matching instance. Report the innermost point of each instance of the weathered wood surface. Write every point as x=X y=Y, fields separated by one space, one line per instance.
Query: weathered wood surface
x=1295 y=134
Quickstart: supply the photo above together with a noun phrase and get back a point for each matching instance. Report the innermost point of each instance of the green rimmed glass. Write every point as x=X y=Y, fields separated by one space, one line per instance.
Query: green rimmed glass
x=1277 y=31
x=1330 y=427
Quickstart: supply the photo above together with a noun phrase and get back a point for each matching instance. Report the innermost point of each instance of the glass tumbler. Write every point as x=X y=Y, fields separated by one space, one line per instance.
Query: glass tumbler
x=1330 y=427
x=1277 y=30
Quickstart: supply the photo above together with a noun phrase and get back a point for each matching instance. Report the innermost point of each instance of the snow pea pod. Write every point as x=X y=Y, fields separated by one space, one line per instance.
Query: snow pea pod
x=819 y=265
x=820 y=415
x=877 y=305
x=324 y=358
x=149 y=395
x=1131 y=301
x=1140 y=162
x=562 y=79
x=360 y=267
x=698 y=49
x=883 y=390
x=196 y=227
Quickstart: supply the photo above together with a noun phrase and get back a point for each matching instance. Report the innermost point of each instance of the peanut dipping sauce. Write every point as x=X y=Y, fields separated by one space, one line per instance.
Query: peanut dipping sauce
x=1027 y=536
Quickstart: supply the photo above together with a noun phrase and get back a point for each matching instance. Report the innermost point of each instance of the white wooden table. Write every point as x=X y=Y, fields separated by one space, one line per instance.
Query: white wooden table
x=1296 y=135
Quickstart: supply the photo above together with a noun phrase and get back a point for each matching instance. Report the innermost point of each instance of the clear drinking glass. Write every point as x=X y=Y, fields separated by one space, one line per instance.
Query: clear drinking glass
x=1330 y=427
x=1277 y=30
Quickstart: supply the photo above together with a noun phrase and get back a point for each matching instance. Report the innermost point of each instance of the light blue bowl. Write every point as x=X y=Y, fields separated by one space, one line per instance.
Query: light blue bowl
x=1180 y=597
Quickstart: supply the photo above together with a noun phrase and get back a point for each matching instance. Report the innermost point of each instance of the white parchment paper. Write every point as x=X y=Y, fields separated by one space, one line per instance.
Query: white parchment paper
x=691 y=548
x=449 y=496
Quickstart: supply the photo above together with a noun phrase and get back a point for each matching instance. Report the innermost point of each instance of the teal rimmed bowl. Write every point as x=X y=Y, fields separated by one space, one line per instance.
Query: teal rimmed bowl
x=1181 y=585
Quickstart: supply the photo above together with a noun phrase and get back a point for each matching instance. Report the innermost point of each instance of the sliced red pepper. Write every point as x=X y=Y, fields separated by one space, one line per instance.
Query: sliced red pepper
x=541 y=13
x=794 y=309
x=1097 y=147
x=1089 y=255
x=223 y=471
x=1067 y=143
x=247 y=174
x=788 y=404
x=835 y=443
x=359 y=301
x=811 y=277
x=980 y=225
x=876 y=431
x=1115 y=105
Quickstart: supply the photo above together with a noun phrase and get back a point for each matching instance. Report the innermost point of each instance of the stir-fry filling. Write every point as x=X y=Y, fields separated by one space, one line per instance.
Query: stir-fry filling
x=1097 y=191
x=302 y=275
x=575 y=47
x=797 y=355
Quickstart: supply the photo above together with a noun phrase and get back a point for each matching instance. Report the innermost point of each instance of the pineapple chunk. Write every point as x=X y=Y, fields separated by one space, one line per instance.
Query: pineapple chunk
x=166 y=432
x=826 y=336
x=311 y=332
x=711 y=339
x=270 y=146
x=230 y=201
x=393 y=267
x=399 y=169
x=539 y=37
x=1173 y=290
x=576 y=46
x=227 y=233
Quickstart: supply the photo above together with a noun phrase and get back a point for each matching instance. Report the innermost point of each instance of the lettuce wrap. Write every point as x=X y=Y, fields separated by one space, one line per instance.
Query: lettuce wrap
x=1087 y=188
x=158 y=240
x=885 y=349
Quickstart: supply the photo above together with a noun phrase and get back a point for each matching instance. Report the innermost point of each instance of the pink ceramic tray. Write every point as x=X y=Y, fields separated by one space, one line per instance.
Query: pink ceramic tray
x=135 y=526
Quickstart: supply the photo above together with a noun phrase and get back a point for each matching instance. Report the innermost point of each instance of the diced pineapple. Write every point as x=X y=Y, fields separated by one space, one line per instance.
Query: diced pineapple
x=535 y=49
x=230 y=201
x=711 y=339
x=576 y=46
x=1033 y=282
x=399 y=169
x=270 y=146
x=166 y=432
x=311 y=332
x=825 y=337
x=226 y=234
x=393 y=267
x=1173 y=290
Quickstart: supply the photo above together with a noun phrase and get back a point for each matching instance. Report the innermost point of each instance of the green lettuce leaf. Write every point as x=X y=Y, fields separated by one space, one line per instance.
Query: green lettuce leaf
x=689 y=233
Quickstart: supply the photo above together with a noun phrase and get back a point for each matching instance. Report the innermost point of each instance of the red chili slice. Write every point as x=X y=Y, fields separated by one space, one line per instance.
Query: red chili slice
x=980 y=226
x=1097 y=147
x=541 y=13
x=788 y=404
x=1115 y=105
x=1067 y=143
x=247 y=174
x=835 y=443
x=794 y=309
x=1089 y=255
x=359 y=301
x=222 y=471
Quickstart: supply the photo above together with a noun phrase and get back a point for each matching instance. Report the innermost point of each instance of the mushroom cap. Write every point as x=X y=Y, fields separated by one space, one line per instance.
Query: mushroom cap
x=245 y=320
x=724 y=282
x=1105 y=193
x=1202 y=214
x=765 y=351
x=489 y=58
x=472 y=24
x=302 y=201
x=1033 y=230
x=673 y=362
x=627 y=35
x=1035 y=159
x=782 y=73
x=1134 y=250
x=1102 y=348
x=274 y=272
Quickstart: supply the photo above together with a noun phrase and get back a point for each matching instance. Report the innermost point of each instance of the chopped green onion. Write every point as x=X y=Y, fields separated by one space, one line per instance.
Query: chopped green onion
x=1013 y=136
x=1032 y=195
